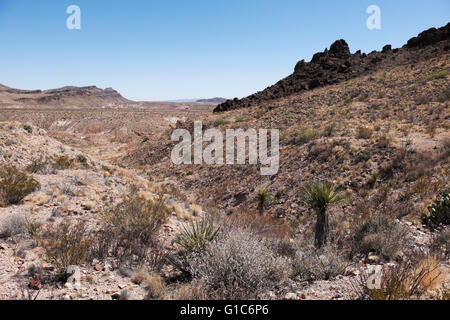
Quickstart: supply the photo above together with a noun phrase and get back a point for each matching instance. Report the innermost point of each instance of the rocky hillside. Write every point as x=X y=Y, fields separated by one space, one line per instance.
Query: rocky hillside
x=337 y=65
x=61 y=185
x=63 y=97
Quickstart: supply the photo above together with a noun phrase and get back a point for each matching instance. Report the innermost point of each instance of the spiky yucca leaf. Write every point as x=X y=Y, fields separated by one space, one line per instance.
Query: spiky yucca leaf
x=319 y=195
x=195 y=235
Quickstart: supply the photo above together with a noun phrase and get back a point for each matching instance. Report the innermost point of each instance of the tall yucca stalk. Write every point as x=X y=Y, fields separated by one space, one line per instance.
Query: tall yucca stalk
x=319 y=196
x=262 y=198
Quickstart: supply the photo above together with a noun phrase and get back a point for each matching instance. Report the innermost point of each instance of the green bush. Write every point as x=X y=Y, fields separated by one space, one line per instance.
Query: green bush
x=28 y=128
x=438 y=75
x=130 y=227
x=81 y=158
x=64 y=244
x=15 y=185
x=439 y=212
x=305 y=135
x=219 y=121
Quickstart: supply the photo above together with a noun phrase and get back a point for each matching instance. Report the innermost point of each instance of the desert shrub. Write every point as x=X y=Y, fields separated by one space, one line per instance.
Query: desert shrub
x=155 y=286
x=305 y=135
x=404 y=280
x=310 y=263
x=81 y=158
x=15 y=185
x=129 y=228
x=236 y=265
x=438 y=75
x=62 y=162
x=39 y=165
x=383 y=142
x=440 y=244
x=321 y=151
x=398 y=163
x=373 y=178
x=189 y=291
x=219 y=121
x=239 y=119
x=328 y=130
x=14 y=225
x=196 y=235
x=439 y=212
x=64 y=244
x=444 y=95
x=28 y=128
x=380 y=235
x=262 y=226
x=422 y=99
x=363 y=133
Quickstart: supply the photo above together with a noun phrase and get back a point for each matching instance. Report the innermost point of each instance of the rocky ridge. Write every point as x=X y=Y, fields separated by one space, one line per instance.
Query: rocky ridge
x=337 y=65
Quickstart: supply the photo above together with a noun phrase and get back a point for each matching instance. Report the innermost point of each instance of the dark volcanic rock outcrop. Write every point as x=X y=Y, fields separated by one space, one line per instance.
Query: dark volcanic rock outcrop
x=338 y=64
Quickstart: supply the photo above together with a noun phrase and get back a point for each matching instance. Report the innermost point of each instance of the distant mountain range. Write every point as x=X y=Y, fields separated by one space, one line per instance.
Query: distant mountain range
x=78 y=97
x=211 y=100
x=69 y=96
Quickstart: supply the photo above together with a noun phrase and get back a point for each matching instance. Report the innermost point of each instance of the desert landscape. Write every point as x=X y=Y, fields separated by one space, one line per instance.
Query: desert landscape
x=93 y=208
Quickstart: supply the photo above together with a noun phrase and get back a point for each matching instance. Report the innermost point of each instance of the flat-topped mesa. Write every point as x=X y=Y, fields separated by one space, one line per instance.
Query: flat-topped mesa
x=71 y=96
x=338 y=64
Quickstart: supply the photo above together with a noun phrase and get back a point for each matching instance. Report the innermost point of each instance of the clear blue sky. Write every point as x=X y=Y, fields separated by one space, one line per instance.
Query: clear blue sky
x=167 y=49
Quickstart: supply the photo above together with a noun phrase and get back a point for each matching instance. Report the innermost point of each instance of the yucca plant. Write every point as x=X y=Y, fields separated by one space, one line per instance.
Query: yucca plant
x=196 y=235
x=262 y=198
x=318 y=196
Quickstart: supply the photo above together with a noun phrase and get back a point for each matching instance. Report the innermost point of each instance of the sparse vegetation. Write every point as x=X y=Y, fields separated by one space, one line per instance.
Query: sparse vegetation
x=28 y=128
x=130 y=228
x=14 y=225
x=219 y=121
x=64 y=244
x=81 y=158
x=236 y=266
x=39 y=165
x=311 y=263
x=439 y=212
x=15 y=185
x=62 y=162
x=408 y=279
x=438 y=75
x=239 y=119
x=329 y=130
x=364 y=133
x=379 y=235
x=305 y=135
